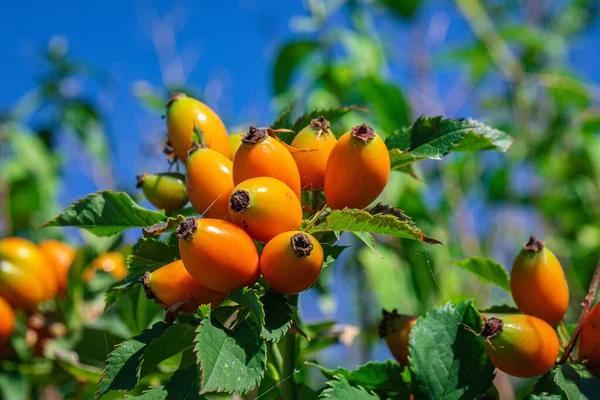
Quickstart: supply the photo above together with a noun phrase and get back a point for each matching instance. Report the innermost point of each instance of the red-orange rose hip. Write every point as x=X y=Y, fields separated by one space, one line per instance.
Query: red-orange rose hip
x=265 y=207
x=357 y=170
x=262 y=155
x=291 y=262
x=520 y=345
x=218 y=254
x=589 y=341
x=394 y=328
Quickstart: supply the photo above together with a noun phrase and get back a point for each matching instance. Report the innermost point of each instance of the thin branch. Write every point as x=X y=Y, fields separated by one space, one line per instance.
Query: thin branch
x=586 y=304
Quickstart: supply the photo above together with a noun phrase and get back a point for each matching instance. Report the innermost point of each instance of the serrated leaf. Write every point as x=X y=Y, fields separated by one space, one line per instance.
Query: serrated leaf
x=150 y=254
x=369 y=241
x=545 y=396
x=283 y=119
x=500 y=309
x=362 y=221
x=232 y=362
x=487 y=270
x=332 y=115
x=183 y=385
x=278 y=316
x=249 y=298
x=447 y=361
x=372 y=375
x=569 y=382
x=153 y=393
x=106 y=213
x=434 y=137
x=176 y=339
x=340 y=389
x=120 y=370
x=289 y=58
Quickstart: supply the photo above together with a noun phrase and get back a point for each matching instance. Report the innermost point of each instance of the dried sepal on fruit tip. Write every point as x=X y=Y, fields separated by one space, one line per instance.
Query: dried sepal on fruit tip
x=140 y=180
x=301 y=244
x=255 y=135
x=533 y=245
x=321 y=125
x=492 y=328
x=145 y=281
x=187 y=228
x=174 y=97
x=239 y=200
x=195 y=147
x=363 y=132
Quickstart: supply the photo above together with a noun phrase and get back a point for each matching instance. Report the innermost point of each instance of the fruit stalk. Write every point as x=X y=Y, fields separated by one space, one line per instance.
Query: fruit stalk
x=587 y=305
x=288 y=383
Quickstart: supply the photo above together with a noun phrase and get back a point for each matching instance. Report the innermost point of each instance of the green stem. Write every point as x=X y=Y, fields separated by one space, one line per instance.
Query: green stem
x=274 y=355
x=288 y=382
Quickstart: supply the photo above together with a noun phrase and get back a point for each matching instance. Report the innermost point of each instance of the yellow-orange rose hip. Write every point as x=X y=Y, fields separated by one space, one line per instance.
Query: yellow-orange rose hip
x=538 y=283
x=317 y=136
x=184 y=115
x=172 y=284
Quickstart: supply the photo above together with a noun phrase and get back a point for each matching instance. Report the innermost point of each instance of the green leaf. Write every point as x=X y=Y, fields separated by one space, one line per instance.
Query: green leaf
x=290 y=56
x=500 y=309
x=570 y=382
x=332 y=115
x=545 y=396
x=232 y=362
x=120 y=370
x=371 y=376
x=387 y=102
x=283 y=119
x=150 y=253
x=278 y=316
x=331 y=253
x=106 y=213
x=487 y=270
x=183 y=385
x=369 y=241
x=387 y=221
x=448 y=361
x=176 y=339
x=434 y=137
x=154 y=393
x=249 y=298
x=340 y=389
x=14 y=386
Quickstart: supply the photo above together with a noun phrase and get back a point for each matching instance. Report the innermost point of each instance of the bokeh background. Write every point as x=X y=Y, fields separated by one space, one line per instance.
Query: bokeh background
x=84 y=85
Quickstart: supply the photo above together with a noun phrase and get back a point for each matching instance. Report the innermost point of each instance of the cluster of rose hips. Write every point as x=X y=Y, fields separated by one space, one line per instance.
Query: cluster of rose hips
x=522 y=345
x=248 y=190
x=30 y=274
